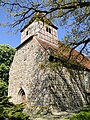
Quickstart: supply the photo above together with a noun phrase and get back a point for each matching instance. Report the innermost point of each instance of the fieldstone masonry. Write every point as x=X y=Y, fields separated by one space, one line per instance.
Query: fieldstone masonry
x=36 y=85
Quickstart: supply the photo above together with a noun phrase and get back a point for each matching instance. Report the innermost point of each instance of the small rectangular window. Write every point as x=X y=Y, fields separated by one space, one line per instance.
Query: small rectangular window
x=49 y=30
x=27 y=33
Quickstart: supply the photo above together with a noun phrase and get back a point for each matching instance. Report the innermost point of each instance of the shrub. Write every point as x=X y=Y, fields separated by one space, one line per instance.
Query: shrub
x=11 y=111
x=81 y=116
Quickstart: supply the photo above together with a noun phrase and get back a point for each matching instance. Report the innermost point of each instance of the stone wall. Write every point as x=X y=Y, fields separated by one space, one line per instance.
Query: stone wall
x=68 y=89
x=60 y=89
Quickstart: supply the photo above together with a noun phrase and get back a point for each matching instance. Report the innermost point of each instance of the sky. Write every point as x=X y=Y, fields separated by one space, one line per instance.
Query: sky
x=12 y=39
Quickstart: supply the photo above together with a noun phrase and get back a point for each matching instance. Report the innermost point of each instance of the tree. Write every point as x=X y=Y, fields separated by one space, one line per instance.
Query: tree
x=3 y=88
x=6 y=57
x=74 y=13
x=7 y=109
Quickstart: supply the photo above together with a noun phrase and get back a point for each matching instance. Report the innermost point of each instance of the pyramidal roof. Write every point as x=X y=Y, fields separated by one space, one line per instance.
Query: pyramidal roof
x=39 y=16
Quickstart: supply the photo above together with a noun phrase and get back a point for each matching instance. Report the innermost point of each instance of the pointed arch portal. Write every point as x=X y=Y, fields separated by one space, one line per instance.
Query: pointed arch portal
x=22 y=96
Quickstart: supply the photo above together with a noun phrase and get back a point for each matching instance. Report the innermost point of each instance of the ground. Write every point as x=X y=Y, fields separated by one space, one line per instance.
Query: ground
x=59 y=116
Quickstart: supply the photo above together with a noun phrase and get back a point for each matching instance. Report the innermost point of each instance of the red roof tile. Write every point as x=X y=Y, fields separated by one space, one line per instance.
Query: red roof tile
x=66 y=52
x=46 y=45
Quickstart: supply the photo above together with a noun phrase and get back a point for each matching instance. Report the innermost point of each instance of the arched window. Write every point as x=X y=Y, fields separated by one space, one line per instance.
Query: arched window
x=22 y=96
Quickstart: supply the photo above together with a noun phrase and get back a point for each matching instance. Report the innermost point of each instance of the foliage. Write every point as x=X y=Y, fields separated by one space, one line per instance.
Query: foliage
x=11 y=111
x=4 y=72
x=81 y=116
x=6 y=57
x=73 y=14
x=3 y=88
x=7 y=109
x=6 y=54
x=84 y=114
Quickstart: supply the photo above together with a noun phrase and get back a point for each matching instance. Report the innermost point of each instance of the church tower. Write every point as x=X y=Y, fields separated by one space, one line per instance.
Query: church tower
x=26 y=78
x=41 y=26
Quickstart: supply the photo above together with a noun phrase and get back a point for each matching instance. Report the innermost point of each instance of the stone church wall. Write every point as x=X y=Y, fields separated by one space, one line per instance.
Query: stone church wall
x=61 y=89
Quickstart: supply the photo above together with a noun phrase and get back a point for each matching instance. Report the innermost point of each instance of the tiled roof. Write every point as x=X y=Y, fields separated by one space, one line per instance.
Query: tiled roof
x=64 y=51
x=46 y=45
x=74 y=55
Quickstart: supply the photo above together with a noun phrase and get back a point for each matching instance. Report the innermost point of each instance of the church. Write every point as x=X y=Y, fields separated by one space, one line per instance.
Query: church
x=35 y=80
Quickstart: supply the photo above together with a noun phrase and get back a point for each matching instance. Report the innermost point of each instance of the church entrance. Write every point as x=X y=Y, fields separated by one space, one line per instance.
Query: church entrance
x=22 y=96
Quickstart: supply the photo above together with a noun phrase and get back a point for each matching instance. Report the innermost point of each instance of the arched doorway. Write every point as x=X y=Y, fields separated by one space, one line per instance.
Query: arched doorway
x=22 y=96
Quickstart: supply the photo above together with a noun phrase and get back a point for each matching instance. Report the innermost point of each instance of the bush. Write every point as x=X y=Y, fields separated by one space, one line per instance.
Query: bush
x=81 y=116
x=11 y=111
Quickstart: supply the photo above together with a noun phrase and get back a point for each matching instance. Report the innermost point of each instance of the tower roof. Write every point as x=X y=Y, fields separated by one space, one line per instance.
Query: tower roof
x=39 y=16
